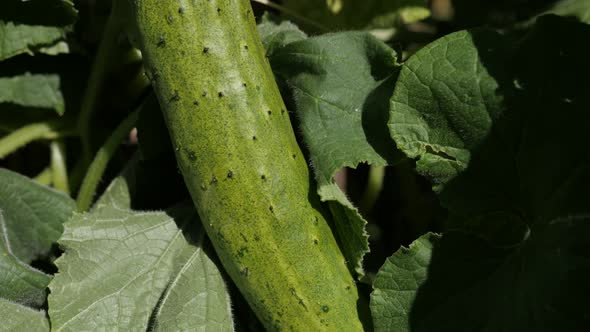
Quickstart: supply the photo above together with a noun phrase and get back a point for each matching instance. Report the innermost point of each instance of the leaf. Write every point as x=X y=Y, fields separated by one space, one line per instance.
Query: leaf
x=19 y=38
x=33 y=215
x=33 y=90
x=19 y=282
x=396 y=283
x=125 y=269
x=340 y=84
x=538 y=285
x=274 y=36
x=517 y=255
x=16 y=317
x=477 y=98
x=351 y=14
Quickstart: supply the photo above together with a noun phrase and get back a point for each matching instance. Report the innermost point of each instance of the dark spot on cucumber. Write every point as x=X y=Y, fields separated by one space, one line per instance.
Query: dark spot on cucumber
x=282 y=111
x=242 y=251
x=161 y=41
x=230 y=174
x=263 y=177
x=155 y=76
x=294 y=156
x=316 y=242
x=175 y=96
x=272 y=209
x=244 y=85
x=316 y=221
x=204 y=94
x=180 y=10
x=191 y=155
x=269 y=112
x=347 y=287
x=196 y=103
x=218 y=10
x=213 y=180
x=254 y=137
x=246 y=47
x=245 y=272
x=325 y=308
x=205 y=50
x=220 y=94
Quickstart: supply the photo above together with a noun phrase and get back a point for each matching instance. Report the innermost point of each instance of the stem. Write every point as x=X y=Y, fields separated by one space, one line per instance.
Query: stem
x=58 y=166
x=373 y=189
x=99 y=164
x=44 y=177
x=77 y=175
x=27 y=134
x=106 y=54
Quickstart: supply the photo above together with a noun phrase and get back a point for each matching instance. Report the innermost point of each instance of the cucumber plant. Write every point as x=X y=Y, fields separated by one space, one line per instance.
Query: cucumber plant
x=195 y=207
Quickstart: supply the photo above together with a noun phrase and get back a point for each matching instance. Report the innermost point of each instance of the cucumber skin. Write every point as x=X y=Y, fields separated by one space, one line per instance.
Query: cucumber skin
x=241 y=163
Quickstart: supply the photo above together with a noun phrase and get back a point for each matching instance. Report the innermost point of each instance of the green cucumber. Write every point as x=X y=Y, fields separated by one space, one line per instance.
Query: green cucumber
x=241 y=163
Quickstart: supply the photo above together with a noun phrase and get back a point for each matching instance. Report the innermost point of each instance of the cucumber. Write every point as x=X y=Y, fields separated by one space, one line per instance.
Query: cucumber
x=241 y=163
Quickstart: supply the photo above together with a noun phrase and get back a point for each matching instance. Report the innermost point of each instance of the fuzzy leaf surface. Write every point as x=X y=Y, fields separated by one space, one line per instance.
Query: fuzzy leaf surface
x=33 y=90
x=20 y=38
x=16 y=317
x=504 y=144
x=33 y=215
x=126 y=269
x=19 y=282
x=339 y=86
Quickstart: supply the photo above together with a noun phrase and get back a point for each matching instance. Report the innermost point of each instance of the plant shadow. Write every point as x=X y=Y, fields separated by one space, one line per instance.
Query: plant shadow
x=505 y=264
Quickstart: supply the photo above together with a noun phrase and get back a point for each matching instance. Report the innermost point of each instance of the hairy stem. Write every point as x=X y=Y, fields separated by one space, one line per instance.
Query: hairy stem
x=373 y=189
x=99 y=164
x=59 y=169
x=21 y=137
x=44 y=177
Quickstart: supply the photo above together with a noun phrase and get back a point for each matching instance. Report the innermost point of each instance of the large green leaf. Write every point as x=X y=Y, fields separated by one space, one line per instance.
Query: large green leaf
x=478 y=98
x=18 y=281
x=33 y=215
x=130 y=270
x=340 y=84
x=463 y=283
x=19 y=38
x=353 y=14
x=33 y=90
x=500 y=123
x=16 y=317
x=396 y=283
